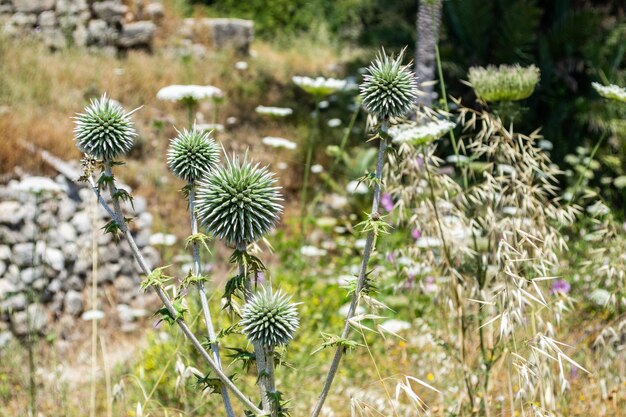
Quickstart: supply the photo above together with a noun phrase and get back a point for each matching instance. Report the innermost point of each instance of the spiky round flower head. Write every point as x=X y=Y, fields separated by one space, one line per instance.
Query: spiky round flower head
x=239 y=202
x=192 y=154
x=389 y=88
x=503 y=83
x=104 y=131
x=269 y=318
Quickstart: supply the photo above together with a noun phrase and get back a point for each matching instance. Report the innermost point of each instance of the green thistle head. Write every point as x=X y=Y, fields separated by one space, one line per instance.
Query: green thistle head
x=269 y=318
x=389 y=88
x=239 y=202
x=104 y=131
x=192 y=154
x=503 y=83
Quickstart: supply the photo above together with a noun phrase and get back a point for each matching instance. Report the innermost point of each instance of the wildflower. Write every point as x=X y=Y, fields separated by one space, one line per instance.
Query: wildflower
x=105 y=130
x=241 y=65
x=239 y=202
x=269 y=318
x=388 y=88
x=503 y=83
x=189 y=93
x=611 y=91
x=317 y=169
x=282 y=166
x=600 y=297
x=387 y=202
x=420 y=134
x=218 y=127
x=274 y=111
x=356 y=187
x=162 y=239
x=324 y=104
x=395 y=326
x=192 y=154
x=546 y=145
x=334 y=122
x=416 y=234
x=428 y=242
x=276 y=142
x=319 y=86
x=430 y=287
x=457 y=159
x=312 y=251
x=560 y=286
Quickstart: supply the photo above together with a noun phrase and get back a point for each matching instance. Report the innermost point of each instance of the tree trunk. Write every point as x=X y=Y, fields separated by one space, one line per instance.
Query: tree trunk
x=428 y=22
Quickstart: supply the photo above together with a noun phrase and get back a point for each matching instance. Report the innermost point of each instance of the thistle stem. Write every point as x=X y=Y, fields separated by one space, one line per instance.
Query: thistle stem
x=203 y=298
x=367 y=251
x=259 y=352
x=118 y=217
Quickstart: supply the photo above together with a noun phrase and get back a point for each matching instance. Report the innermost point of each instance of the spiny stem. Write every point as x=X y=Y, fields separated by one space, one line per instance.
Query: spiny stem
x=259 y=352
x=367 y=251
x=118 y=217
x=203 y=298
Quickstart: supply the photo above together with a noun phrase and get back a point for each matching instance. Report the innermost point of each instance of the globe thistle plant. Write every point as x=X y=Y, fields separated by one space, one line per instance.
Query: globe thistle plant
x=269 y=318
x=239 y=202
x=192 y=154
x=389 y=88
x=104 y=131
x=503 y=83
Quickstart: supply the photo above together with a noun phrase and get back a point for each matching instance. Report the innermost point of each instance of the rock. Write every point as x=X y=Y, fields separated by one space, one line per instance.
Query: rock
x=70 y=251
x=5 y=253
x=23 y=254
x=28 y=275
x=155 y=12
x=73 y=283
x=37 y=185
x=6 y=288
x=73 y=303
x=71 y=7
x=5 y=338
x=136 y=35
x=33 y=6
x=142 y=238
x=54 y=286
x=3 y=268
x=151 y=256
x=100 y=34
x=79 y=36
x=81 y=220
x=11 y=213
x=54 y=258
x=33 y=320
x=65 y=233
x=47 y=19
x=110 y=11
x=236 y=34
x=47 y=219
x=108 y=254
x=16 y=302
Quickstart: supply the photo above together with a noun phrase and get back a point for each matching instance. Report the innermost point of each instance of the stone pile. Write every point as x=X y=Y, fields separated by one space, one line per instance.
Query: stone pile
x=63 y=23
x=218 y=34
x=46 y=255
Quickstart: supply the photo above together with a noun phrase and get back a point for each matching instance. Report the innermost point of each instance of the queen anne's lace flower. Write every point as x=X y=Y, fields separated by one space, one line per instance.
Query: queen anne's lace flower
x=503 y=83
x=239 y=202
x=420 y=134
x=189 y=93
x=388 y=88
x=192 y=154
x=274 y=111
x=269 y=319
x=278 y=142
x=611 y=91
x=319 y=86
x=104 y=131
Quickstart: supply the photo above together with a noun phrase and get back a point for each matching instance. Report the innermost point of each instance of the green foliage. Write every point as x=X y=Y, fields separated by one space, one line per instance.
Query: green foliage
x=156 y=278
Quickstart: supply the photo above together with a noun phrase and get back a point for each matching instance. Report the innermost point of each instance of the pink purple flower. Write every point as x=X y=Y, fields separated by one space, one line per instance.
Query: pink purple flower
x=560 y=286
x=386 y=201
x=416 y=234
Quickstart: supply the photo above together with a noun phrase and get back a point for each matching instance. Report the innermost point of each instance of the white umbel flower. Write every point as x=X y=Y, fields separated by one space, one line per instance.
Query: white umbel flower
x=319 y=86
x=276 y=142
x=274 y=111
x=420 y=134
x=611 y=91
x=189 y=93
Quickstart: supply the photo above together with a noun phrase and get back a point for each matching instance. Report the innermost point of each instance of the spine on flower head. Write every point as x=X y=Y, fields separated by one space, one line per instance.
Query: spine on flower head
x=192 y=154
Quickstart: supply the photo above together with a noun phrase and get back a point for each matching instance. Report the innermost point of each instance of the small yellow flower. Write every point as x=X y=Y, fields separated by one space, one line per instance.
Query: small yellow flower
x=430 y=377
x=582 y=397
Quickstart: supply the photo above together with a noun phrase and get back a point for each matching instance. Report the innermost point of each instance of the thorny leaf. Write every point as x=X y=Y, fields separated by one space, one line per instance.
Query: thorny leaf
x=235 y=287
x=199 y=239
x=123 y=195
x=250 y=262
x=331 y=341
x=276 y=400
x=192 y=279
x=376 y=225
x=156 y=278
x=170 y=318
x=244 y=356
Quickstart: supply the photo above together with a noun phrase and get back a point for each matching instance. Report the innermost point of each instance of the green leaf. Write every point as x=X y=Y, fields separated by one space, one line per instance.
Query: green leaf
x=113 y=228
x=235 y=287
x=378 y=226
x=244 y=356
x=170 y=318
x=336 y=341
x=198 y=239
x=156 y=278
x=123 y=195
x=192 y=279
